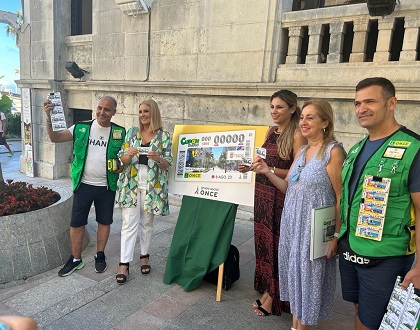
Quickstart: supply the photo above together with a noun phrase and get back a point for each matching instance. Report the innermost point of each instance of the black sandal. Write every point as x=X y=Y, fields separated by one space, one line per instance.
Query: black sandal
x=145 y=269
x=122 y=278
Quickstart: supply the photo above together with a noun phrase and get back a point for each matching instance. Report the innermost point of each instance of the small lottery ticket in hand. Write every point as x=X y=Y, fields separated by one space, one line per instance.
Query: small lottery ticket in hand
x=143 y=150
x=262 y=152
x=247 y=161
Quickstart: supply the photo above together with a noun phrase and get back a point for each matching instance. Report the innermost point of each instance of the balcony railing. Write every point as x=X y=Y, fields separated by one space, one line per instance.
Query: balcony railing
x=348 y=34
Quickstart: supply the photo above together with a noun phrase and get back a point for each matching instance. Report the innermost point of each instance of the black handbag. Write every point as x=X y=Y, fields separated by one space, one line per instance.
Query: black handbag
x=231 y=272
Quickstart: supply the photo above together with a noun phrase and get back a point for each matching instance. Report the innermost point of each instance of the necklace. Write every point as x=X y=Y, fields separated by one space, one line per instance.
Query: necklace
x=276 y=131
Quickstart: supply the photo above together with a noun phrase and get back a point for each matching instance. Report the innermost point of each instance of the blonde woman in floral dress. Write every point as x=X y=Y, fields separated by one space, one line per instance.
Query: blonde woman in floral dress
x=142 y=190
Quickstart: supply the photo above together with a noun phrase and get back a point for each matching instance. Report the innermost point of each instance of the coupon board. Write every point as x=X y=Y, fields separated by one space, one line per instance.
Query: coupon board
x=206 y=162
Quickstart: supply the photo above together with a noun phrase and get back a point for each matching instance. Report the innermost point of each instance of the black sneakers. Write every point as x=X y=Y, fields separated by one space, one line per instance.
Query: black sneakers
x=70 y=267
x=100 y=263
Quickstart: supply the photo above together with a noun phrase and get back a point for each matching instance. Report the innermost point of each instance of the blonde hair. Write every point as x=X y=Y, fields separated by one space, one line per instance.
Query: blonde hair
x=325 y=113
x=286 y=138
x=155 y=117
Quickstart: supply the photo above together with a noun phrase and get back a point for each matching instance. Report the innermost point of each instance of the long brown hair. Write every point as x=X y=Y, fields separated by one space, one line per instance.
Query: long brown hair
x=286 y=138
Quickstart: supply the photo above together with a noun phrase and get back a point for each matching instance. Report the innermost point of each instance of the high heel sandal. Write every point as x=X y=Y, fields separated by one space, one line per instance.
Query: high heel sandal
x=145 y=269
x=122 y=278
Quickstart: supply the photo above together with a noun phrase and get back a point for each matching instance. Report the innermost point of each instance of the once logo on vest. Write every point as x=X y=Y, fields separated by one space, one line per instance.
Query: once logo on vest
x=355 y=259
x=399 y=143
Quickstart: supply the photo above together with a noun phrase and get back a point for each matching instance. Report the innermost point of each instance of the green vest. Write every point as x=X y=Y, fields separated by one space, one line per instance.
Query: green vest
x=398 y=231
x=80 y=146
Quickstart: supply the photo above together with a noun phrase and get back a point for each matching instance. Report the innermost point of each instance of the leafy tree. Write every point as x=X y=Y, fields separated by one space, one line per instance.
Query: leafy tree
x=11 y=31
x=5 y=104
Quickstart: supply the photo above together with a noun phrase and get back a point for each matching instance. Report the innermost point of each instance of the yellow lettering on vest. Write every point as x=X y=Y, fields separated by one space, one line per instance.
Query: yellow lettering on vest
x=400 y=143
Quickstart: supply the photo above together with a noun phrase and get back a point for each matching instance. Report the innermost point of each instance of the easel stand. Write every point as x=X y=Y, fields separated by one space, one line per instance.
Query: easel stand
x=220 y=283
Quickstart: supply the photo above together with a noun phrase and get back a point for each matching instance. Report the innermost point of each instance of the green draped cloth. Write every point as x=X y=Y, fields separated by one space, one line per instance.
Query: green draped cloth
x=201 y=240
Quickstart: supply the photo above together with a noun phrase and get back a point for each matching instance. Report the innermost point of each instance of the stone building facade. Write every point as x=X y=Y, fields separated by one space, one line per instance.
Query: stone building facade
x=212 y=62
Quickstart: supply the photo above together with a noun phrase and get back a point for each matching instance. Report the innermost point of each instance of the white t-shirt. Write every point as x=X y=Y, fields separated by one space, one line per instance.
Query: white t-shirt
x=95 y=170
x=2 y=117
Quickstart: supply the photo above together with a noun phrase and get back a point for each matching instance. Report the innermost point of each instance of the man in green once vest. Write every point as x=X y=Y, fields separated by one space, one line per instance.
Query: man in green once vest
x=380 y=205
x=94 y=172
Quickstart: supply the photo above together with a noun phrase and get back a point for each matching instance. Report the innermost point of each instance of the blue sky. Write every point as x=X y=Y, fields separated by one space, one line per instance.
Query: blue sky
x=9 y=52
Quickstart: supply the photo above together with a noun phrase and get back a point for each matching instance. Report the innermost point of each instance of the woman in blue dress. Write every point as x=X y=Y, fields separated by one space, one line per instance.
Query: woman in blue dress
x=313 y=181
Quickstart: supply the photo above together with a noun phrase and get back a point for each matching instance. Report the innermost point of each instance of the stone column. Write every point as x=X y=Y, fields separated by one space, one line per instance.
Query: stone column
x=295 y=44
x=411 y=35
x=361 y=30
x=314 y=47
x=335 y=54
x=383 y=46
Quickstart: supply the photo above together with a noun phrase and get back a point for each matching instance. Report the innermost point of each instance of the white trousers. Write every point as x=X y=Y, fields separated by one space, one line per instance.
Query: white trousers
x=131 y=218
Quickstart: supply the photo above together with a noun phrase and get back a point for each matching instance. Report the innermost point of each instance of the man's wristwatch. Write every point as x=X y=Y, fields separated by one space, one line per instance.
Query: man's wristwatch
x=273 y=170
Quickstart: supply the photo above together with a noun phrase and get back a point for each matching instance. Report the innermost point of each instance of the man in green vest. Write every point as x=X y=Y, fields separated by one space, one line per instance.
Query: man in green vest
x=94 y=172
x=380 y=206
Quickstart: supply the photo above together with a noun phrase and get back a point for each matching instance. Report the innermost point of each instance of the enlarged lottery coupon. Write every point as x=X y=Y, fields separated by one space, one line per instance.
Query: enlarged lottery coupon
x=58 y=121
x=214 y=156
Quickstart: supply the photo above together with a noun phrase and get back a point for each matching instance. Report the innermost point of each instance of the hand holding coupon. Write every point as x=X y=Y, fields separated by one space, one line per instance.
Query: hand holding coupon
x=403 y=309
x=58 y=121
x=259 y=165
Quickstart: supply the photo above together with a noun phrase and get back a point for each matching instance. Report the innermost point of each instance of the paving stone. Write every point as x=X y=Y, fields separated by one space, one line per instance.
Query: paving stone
x=141 y=320
x=66 y=306
x=189 y=298
x=39 y=298
x=166 y=307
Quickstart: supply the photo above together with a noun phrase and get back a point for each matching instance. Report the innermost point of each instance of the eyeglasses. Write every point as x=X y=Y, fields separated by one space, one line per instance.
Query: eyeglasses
x=296 y=176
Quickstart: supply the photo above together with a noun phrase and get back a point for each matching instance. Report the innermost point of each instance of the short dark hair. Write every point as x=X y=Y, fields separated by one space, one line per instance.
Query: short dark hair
x=388 y=88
